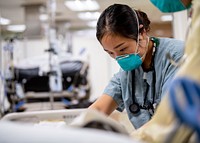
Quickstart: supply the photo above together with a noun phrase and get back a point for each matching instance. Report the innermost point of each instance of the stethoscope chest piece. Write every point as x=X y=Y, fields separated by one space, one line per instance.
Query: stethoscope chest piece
x=134 y=108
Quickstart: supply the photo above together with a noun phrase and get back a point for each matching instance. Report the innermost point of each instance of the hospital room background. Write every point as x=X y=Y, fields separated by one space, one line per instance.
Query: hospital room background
x=54 y=61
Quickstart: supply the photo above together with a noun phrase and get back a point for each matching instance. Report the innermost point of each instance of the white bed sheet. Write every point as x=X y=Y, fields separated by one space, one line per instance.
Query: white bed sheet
x=23 y=133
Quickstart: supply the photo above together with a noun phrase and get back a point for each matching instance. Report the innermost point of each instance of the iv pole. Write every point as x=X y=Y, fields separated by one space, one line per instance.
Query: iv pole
x=51 y=5
x=1 y=80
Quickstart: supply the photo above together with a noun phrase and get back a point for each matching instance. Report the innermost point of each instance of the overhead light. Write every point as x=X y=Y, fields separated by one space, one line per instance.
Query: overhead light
x=16 y=28
x=89 y=15
x=166 y=18
x=4 y=21
x=92 y=23
x=82 y=5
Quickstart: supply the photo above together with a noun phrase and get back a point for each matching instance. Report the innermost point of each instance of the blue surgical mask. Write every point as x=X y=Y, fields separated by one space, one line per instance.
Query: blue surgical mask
x=169 y=5
x=129 y=62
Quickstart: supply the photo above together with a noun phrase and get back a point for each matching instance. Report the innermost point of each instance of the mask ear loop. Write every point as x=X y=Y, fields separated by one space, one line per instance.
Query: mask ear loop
x=137 y=46
x=147 y=44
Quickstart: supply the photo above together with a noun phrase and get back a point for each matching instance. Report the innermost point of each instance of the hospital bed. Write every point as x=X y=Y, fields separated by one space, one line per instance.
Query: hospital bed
x=34 y=77
x=32 y=81
x=17 y=133
x=35 y=117
x=28 y=127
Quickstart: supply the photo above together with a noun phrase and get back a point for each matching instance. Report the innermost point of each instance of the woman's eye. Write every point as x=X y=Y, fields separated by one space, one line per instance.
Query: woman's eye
x=110 y=53
x=122 y=50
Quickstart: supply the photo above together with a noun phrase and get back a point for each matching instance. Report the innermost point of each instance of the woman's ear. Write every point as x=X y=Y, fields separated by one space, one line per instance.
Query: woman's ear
x=142 y=35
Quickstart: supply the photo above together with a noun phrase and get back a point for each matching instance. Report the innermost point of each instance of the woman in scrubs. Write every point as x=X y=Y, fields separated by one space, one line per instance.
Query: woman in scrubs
x=145 y=71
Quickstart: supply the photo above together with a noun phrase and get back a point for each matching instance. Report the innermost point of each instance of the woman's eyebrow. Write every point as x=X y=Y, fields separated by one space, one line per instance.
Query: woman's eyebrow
x=115 y=46
x=118 y=45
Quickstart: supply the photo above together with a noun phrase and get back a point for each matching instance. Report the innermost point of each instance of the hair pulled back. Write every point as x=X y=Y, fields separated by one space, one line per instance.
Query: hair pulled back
x=120 y=19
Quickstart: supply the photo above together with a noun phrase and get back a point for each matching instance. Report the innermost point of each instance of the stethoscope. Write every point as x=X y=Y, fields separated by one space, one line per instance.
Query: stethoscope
x=147 y=105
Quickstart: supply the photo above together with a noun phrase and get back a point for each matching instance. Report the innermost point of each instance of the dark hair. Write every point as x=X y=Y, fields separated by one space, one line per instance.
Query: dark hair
x=121 y=20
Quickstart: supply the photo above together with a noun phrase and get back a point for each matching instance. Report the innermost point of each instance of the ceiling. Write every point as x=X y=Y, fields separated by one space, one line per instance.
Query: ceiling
x=15 y=11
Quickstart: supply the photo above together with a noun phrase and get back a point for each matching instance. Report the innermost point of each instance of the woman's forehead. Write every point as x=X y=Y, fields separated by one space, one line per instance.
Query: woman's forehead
x=110 y=37
x=110 y=40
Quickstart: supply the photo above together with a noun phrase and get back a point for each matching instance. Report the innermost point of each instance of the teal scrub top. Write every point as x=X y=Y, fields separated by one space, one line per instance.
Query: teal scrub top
x=120 y=86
